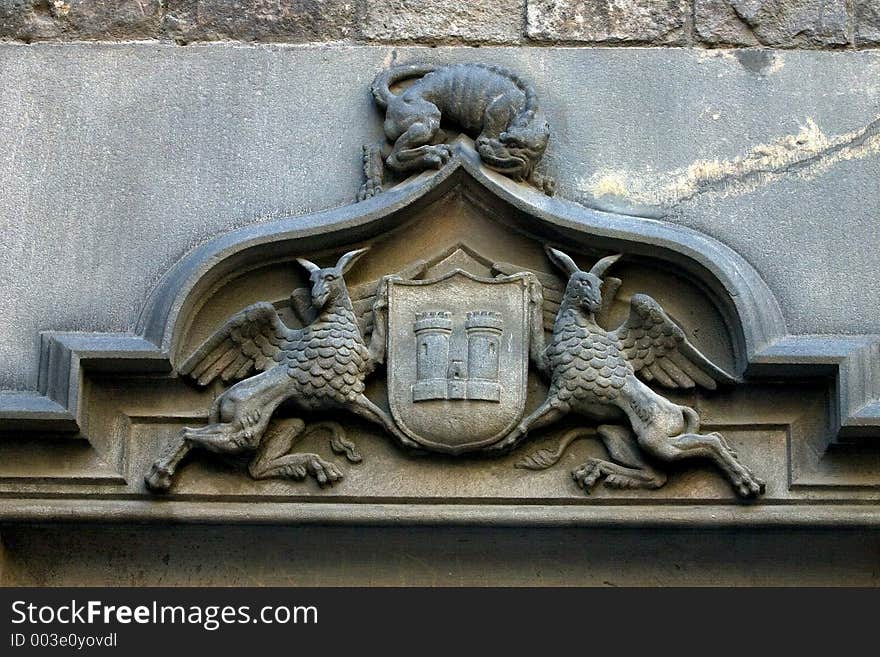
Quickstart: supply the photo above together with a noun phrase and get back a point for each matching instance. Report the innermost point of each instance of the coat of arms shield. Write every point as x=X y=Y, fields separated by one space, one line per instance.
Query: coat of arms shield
x=458 y=358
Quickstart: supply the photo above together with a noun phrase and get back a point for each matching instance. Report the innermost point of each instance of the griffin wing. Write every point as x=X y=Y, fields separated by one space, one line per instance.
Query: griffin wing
x=658 y=349
x=254 y=338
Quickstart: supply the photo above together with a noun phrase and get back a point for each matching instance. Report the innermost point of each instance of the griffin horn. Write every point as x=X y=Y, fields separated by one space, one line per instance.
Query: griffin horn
x=561 y=260
x=308 y=265
x=347 y=260
x=602 y=266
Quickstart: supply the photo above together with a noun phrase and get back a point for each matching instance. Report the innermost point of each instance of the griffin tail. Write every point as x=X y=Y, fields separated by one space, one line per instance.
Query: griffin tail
x=546 y=458
x=339 y=443
x=691 y=420
x=381 y=87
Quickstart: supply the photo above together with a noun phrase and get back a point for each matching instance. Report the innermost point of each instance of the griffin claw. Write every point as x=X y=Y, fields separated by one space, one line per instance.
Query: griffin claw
x=158 y=479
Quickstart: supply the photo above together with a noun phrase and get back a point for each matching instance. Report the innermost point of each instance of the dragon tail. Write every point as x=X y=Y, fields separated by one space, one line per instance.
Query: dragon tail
x=381 y=87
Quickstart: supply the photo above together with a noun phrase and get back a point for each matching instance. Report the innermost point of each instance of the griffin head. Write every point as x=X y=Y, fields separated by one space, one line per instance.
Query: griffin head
x=328 y=284
x=584 y=288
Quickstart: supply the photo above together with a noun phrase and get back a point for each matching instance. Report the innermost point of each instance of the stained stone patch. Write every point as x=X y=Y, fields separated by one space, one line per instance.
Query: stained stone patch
x=606 y=20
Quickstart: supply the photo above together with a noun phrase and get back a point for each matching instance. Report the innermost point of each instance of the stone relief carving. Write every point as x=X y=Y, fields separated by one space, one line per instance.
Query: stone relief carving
x=458 y=346
x=489 y=103
x=479 y=354
x=457 y=377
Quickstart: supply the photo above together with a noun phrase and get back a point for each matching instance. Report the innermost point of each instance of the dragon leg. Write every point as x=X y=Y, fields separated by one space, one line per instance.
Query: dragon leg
x=412 y=150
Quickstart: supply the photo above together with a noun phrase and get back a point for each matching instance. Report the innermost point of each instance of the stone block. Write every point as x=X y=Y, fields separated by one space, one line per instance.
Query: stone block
x=31 y=20
x=866 y=20
x=261 y=20
x=483 y=21
x=777 y=23
x=625 y=21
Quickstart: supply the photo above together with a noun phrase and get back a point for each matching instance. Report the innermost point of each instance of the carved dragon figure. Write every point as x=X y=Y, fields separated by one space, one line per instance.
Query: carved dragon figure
x=321 y=366
x=489 y=103
x=595 y=373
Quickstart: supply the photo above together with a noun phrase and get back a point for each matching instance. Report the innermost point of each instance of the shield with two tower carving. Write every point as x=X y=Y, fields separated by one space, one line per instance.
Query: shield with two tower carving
x=458 y=349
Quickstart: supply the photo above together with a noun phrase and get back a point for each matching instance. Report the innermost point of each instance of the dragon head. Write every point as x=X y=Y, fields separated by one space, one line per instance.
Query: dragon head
x=516 y=151
x=584 y=288
x=328 y=284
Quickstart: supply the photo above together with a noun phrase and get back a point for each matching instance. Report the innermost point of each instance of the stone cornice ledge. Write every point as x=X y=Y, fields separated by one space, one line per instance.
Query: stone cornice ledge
x=768 y=350
x=706 y=516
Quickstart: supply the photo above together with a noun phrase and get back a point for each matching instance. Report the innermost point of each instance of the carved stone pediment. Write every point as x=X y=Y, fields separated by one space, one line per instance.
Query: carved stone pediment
x=462 y=347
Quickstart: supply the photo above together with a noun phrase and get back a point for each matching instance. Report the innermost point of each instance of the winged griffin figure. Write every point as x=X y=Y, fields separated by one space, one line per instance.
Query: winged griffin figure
x=596 y=373
x=321 y=366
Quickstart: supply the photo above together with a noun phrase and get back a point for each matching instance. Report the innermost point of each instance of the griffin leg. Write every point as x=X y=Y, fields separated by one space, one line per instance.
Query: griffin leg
x=711 y=446
x=547 y=413
x=238 y=419
x=616 y=476
x=366 y=409
x=622 y=446
x=220 y=438
x=272 y=459
x=630 y=470
x=162 y=471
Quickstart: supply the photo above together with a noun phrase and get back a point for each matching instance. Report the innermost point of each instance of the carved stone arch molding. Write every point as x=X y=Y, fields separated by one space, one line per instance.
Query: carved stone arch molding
x=802 y=412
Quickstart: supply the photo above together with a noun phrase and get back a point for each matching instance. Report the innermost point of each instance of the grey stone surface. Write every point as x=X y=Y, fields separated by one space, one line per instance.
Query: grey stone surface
x=186 y=21
x=29 y=20
x=119 y=159
x=866 y=17
x=483 y=21
x=606 y=20
x=778 y=23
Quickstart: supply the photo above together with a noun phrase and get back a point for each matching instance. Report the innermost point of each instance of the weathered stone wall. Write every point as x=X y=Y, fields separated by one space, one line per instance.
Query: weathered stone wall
x=831 y=24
